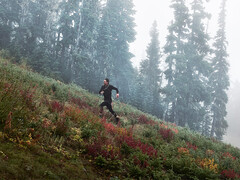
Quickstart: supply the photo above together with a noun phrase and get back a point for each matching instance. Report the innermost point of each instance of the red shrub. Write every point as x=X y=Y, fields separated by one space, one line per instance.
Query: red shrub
x=137 y=144
x=104 y=147
x=166 y=134
x=79 y=102
x=191 y=146
x=144 y=120
x=230 y=174
x=228 y=155
x=56 y=106
x=28 y=97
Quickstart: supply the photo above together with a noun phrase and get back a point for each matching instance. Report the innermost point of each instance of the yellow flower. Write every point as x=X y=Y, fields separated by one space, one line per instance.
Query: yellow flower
x=109 y=147
x=209 y=164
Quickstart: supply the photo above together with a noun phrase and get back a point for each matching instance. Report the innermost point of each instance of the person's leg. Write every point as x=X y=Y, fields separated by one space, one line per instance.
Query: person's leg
x=109 y=106
x=101 y=108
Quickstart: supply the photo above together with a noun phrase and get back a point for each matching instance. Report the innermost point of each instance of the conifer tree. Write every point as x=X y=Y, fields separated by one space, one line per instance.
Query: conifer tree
x=122 y=33
x=104 y=63
x=151 y=74
x=69 y=9
x=86 y=41
x=138 y=94
x=175 y=51
x=194 y=84
x=219 y=79
x=9 y=11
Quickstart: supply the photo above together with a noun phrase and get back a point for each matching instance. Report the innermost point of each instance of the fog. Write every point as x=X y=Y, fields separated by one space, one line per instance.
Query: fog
x=233 y=116
x=147 y=12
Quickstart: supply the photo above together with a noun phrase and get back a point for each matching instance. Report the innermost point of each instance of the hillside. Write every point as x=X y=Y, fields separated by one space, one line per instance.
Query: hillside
x=50 y=130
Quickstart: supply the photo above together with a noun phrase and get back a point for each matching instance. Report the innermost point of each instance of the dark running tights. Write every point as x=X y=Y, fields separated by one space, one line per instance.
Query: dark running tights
x=109 y=106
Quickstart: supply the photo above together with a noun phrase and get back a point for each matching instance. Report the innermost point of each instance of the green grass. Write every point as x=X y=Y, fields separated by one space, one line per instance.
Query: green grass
x=19 y=163
x=50 y=130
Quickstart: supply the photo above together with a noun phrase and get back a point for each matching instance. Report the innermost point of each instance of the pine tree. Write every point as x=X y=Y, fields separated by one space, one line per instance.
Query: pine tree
x=219 y=78
x=69 y=9
x=39 y=57
x=9 y=11
x=138 y=91
x=151 y=74
x=86 y=44
x=175 y=51
x=104 y=63
x=194 y=87
x=122 y=33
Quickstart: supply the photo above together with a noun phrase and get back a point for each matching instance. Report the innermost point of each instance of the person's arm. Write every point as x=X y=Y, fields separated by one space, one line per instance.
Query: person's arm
x=101 y=90
x=116 y=89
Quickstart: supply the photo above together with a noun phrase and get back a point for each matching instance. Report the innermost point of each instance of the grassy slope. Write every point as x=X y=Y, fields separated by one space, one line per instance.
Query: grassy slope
x=49 y=130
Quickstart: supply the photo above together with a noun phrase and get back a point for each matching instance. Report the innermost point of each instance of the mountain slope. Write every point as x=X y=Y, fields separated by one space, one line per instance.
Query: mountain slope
x=50 y=130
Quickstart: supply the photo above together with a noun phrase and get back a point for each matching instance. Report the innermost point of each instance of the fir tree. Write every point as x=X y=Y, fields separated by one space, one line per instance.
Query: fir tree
x=69 y=9
x=9 y=11
x=87 y=22
x=175 y=51
x=122 y=33
x=104 y=63
x=219 y=78
x=151 y=74
x=194 y=84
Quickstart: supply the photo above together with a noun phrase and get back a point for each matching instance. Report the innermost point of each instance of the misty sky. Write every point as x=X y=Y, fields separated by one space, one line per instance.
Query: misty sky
x=150 y=10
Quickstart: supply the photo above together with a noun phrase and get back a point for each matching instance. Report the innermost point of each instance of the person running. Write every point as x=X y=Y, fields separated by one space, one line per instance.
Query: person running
x=106 y=91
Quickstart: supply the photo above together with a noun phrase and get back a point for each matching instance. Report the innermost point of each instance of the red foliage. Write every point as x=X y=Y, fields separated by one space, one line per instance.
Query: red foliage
x=110 y=128
x=98 y=147
x=79 y=102
x=191 y=146
x=137 y=144
x=28 y=97
x=139 y=163
x=230 y=174
x=144 y=120
x=56 y=106
x=166 y=134
x=228 y=155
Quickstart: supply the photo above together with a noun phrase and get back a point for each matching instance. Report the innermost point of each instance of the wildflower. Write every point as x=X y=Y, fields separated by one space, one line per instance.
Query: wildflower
x=209 y=164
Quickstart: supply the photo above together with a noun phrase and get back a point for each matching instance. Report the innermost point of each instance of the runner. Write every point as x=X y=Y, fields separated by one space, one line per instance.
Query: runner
x=106 y=91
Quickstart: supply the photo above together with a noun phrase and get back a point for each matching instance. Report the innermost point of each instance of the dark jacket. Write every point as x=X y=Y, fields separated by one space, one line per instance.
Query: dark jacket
x=107 y=89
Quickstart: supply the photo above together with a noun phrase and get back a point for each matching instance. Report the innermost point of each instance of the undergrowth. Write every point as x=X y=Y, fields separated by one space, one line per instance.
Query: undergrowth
x=50 y=130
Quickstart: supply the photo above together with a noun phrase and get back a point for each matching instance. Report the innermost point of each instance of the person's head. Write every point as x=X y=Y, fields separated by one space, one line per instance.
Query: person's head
x=106 y=81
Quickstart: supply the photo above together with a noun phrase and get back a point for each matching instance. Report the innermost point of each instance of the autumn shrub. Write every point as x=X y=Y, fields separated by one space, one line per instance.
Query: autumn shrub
x=17 y=105
x=137 y=144
x=166 y=134
x=191 y=146
x=79 y=102
x=102 y=146
x=56 y=106
x=229 y=174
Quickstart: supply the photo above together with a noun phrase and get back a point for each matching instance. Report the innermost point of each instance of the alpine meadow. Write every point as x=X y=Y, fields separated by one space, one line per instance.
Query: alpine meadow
x=172 y=109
